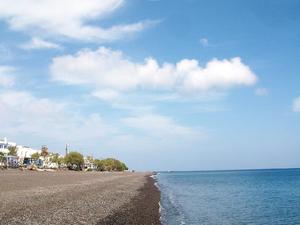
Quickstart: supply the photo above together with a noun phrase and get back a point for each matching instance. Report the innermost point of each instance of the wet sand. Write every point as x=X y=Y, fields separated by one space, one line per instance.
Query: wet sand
x=28 y=197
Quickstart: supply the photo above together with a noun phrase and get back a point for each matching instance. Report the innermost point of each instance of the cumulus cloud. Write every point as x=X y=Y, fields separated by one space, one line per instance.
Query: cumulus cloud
x=112 y=70
x=67 y=18
x=6 y=77
x=37 y=43
x=296 y=104
x=261 y=92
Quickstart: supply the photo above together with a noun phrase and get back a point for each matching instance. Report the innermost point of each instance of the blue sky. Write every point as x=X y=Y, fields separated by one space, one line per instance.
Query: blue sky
x=162 y=85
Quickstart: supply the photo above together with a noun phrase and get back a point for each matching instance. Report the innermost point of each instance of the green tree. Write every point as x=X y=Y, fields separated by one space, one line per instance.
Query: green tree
x=56 y=159
x=110 y=164
x=1 y=156
x=74 y=159
x=12 y=150
x=99 y=164
x=35 y=156
x=61 y=161
x=124 y=167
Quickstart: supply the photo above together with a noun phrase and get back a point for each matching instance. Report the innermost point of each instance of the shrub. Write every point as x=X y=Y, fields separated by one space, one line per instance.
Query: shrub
x=110 y=164
x=74 y=160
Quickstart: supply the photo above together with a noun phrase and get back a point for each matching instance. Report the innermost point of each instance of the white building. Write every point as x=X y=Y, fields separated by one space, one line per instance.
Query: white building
x=22 y=151
x=4 y=145
x=25 y=152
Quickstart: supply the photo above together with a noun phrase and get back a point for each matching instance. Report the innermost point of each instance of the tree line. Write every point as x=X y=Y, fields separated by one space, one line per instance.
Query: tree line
x=74 y=160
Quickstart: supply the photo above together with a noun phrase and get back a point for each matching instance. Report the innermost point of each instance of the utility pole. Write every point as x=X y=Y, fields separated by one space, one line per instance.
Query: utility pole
x=67 y=152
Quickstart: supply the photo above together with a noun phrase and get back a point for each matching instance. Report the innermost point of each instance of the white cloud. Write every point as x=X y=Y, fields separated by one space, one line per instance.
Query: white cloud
x=6 y=77
x=160 y=126
x=296 y=105
x=37 y=43
x=108 y=69
x=38 y=121
x=106 y=94
x=24 y=114
x=261 y=92
x=204 y=42
x=67 y=18
x=217 y=74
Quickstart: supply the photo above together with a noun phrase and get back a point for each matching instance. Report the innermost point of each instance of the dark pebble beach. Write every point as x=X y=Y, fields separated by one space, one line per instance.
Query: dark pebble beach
x=64 y=197
x=141 y=210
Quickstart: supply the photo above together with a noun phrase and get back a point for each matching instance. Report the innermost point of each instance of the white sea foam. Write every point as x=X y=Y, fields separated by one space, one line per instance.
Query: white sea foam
x=154 y=177
x=160 y=212
x=170 y=210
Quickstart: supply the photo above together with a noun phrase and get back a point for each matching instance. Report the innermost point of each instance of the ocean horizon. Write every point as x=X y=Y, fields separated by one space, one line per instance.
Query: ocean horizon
x=233 y=197
x=225 y=170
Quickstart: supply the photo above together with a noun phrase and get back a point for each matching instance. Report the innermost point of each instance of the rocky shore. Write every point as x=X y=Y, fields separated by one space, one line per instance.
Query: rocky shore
x=28 y=197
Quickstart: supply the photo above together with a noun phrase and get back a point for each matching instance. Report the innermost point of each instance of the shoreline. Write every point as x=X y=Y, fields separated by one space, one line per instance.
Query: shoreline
x=143 y=209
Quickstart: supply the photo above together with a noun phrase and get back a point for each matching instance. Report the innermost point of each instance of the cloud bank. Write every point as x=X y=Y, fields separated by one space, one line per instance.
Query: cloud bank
x=112 y=70
x=25 y=115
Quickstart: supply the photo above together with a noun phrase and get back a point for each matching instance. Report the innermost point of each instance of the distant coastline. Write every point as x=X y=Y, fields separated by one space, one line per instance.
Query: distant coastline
x=226 y=170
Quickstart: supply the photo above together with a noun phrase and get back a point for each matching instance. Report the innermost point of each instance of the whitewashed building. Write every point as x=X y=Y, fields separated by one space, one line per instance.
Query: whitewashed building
x=22 y=151
x=4 y=145
x=25 y=152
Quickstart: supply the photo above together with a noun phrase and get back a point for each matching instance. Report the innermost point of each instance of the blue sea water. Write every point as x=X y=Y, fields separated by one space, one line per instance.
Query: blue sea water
x=249 y=197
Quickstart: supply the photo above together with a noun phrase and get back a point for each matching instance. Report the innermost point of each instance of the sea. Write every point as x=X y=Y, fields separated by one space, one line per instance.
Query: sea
x=245 y=197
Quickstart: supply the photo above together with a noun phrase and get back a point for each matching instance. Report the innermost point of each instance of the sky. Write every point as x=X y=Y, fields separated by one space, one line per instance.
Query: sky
x=158 y=84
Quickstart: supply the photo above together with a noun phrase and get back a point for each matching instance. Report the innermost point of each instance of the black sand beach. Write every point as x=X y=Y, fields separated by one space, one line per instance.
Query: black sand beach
x=28 y=197
x=141 y=210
